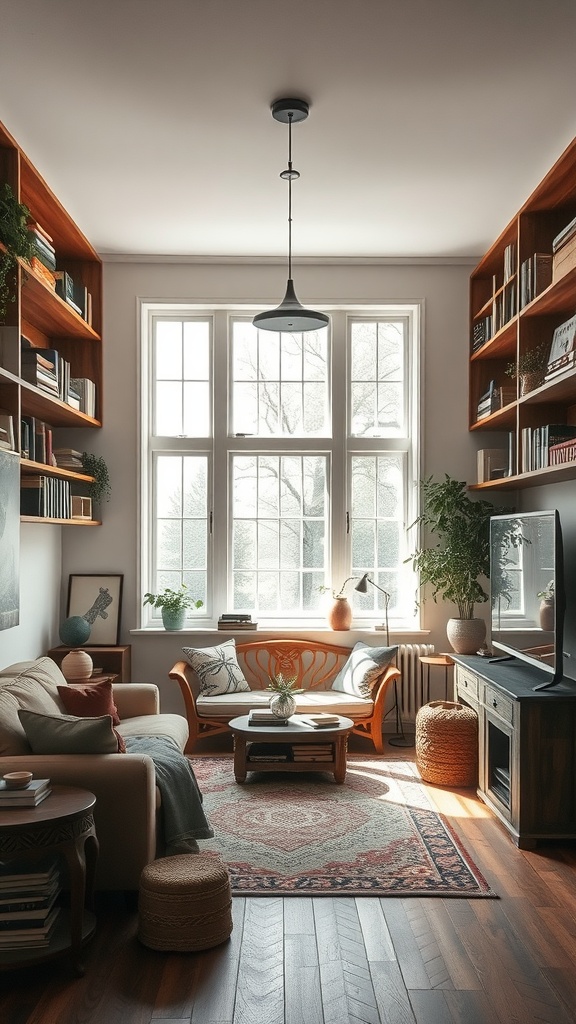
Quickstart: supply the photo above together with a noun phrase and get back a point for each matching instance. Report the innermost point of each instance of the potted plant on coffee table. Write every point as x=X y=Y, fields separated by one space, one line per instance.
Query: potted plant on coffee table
x=173 y=605
x=454 y=555
x=282 y=702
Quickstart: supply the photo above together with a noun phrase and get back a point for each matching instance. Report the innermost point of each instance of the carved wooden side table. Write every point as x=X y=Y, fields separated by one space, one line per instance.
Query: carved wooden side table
x=61 y=824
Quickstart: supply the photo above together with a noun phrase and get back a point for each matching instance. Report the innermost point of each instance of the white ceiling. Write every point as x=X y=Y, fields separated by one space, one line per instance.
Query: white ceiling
x=431 y=120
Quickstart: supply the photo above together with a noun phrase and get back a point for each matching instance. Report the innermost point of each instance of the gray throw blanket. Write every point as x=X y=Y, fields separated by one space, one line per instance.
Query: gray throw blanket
x=183 y=816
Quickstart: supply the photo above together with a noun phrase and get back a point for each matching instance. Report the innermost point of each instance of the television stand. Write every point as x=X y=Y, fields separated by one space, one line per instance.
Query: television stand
x=527 y=755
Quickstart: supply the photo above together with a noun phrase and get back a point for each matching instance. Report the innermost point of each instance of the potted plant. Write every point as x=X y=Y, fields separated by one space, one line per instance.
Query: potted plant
x=95 y=466
x=282 y=702
x=173 y=605
x=17 y=240
x=529 y=368
x=455 y=555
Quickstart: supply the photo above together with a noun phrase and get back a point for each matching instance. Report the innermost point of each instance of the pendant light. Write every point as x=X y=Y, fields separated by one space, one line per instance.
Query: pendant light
x=290 y=315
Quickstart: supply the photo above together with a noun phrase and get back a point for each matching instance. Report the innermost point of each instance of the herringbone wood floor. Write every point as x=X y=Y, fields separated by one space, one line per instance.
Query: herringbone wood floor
x=335 y=961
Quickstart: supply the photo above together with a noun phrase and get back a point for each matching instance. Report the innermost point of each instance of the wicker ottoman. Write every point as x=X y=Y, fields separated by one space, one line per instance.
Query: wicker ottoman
x=185 y=903
x=447 y=744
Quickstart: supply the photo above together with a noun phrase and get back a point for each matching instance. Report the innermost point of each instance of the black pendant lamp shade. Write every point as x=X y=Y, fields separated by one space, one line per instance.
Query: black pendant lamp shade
x=290 y=315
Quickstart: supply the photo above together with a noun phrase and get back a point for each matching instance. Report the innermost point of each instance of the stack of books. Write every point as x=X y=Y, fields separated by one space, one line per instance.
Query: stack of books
x=35 y=792
x=44 y=260
x=320 y=720
x=263 y=716
x=39 y=368
x=68 y=458
x=312 y=752
x=28 y=909
x=85 y=389
x=236 y=620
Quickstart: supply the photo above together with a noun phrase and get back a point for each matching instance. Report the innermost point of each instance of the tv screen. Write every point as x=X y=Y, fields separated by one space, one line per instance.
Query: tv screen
x=527 y=588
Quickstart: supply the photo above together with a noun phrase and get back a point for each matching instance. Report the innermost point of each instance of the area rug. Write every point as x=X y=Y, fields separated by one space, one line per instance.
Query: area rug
x=301 y=834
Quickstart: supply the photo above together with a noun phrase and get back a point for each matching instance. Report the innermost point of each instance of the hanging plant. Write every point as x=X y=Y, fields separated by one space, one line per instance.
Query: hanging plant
x=18 y=242
x=94 y=465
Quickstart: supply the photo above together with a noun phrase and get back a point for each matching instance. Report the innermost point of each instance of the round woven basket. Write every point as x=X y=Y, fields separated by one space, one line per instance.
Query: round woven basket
x=447 y=744
x=185 y=903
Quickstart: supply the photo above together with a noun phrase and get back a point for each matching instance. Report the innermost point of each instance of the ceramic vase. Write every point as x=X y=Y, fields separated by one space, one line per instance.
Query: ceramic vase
x=77 y=665
x=547 y=615
x=173 y=619
x=282 y=705
x=466 y=636
x=340 y=614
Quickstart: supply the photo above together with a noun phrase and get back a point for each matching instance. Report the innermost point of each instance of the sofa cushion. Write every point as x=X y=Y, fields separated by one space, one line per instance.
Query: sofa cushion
x=66 y=734
x=32 y=685
x=171 y=727
x=217 y=669
x=234 y=705
x=89 y=700
x=363 y=667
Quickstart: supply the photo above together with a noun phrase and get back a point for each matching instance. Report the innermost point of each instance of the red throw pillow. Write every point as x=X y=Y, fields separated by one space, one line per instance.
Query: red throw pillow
x=89 y=700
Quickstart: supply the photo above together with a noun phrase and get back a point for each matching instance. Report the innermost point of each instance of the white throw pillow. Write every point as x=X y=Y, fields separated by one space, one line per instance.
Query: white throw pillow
x=364 y=666
x=217 y=669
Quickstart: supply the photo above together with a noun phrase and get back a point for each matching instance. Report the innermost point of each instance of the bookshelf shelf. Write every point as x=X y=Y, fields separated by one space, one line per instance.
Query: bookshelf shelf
x=542 y=279
x=44 y=339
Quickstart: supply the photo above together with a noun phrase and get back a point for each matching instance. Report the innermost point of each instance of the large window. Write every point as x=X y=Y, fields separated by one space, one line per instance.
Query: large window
x=277 y=465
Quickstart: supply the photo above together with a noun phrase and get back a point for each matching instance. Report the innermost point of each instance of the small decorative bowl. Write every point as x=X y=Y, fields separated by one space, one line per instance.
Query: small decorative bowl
x=17 y=780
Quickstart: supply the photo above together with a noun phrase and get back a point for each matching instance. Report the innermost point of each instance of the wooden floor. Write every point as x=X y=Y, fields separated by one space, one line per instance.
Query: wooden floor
x=335 y=961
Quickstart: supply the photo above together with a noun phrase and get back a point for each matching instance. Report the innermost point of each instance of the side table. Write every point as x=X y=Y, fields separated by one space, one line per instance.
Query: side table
x=61 y=824
x=428 y=661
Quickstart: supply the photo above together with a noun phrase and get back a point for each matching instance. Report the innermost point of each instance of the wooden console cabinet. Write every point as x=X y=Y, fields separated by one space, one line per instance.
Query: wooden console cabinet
x=114 y=660
x=527 y=748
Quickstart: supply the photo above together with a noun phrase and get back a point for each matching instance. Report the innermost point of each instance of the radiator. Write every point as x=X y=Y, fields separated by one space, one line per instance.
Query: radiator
x=407 y=660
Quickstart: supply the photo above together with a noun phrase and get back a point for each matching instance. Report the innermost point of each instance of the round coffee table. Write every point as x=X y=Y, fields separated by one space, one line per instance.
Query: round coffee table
x=296 y=732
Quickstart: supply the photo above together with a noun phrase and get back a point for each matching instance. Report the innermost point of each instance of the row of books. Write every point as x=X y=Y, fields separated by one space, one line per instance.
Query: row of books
x=44 y=263
x=535 y=276
x=36 y=440
x=28 y=904
x=509 y=262
x=291 y=752
x=47 y=370
x=46 y=497
x=537 y=443
x=236 y=620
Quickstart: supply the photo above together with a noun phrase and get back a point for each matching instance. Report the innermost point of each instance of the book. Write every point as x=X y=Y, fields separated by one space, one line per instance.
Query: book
x=34 y=786
x=564 y=236
x=38 y=230
x=19 y=871
x=23 y=801
x=29 y=934
x=491 y=464
x=236 y=625
x=322 y=720
x=43 y=271
x=32 y=917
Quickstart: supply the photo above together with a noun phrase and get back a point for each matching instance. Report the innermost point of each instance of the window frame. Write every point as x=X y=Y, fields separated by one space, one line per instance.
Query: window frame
x=340 y=449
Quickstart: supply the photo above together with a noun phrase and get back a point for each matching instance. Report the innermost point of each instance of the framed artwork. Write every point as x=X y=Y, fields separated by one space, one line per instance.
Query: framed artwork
x=9 y=539
x=97 y=599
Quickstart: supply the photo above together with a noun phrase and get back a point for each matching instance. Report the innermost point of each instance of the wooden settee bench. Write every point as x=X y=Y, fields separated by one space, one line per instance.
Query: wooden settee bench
x=314 y=664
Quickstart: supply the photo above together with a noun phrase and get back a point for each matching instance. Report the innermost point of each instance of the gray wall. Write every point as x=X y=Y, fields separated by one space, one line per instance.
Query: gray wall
x=113 y=547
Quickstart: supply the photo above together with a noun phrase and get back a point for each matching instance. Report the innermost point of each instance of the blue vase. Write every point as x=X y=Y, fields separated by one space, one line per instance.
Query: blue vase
x=74 y=631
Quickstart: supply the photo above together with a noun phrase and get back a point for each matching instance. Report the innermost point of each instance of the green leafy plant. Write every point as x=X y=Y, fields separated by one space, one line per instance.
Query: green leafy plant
x=454 y=563
x=94 y=465
x=531 y=361
x=279 y=684
x=173 y=600
x=548 y=593
x=17 y=240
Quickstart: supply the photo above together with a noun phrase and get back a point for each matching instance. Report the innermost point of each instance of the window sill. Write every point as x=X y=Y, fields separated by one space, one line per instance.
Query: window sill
x=309 y=632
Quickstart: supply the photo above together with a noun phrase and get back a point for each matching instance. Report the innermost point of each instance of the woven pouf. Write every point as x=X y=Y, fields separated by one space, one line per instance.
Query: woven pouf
x=447 y=744
x=184 y=903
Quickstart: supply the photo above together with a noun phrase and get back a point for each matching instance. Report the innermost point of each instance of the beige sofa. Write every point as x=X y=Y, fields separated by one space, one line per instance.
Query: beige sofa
x=313 y=664
x=128 y=809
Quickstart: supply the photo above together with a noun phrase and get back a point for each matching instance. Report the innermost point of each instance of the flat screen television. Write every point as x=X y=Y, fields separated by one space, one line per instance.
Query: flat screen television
x=527 y=596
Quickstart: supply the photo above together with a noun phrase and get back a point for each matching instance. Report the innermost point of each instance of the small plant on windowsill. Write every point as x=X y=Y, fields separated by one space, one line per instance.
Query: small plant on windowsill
x=173 y=605
x=336 y=594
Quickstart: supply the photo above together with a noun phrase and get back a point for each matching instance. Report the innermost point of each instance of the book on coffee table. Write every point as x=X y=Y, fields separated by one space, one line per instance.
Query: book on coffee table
x=263 y=716
x=321 y=720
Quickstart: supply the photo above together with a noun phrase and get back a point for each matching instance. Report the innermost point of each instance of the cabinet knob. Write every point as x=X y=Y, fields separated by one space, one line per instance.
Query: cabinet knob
x=494 y=703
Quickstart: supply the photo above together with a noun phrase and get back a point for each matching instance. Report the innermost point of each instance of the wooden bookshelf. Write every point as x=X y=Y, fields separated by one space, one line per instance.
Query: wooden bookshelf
x=538 y=308
x=49 y=322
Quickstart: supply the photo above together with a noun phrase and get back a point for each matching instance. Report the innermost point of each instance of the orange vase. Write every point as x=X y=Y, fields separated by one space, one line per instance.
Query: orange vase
x=340 y=614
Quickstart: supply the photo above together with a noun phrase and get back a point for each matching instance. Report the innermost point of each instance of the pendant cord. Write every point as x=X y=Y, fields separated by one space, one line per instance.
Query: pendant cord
x=290 y=196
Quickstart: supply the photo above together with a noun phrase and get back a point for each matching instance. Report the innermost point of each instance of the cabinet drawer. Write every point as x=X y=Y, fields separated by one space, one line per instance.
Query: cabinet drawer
x=499 y=704
x=466 y=684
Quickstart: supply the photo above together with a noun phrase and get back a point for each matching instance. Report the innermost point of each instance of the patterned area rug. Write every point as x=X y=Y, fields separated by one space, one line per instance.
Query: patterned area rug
x=304 y=835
